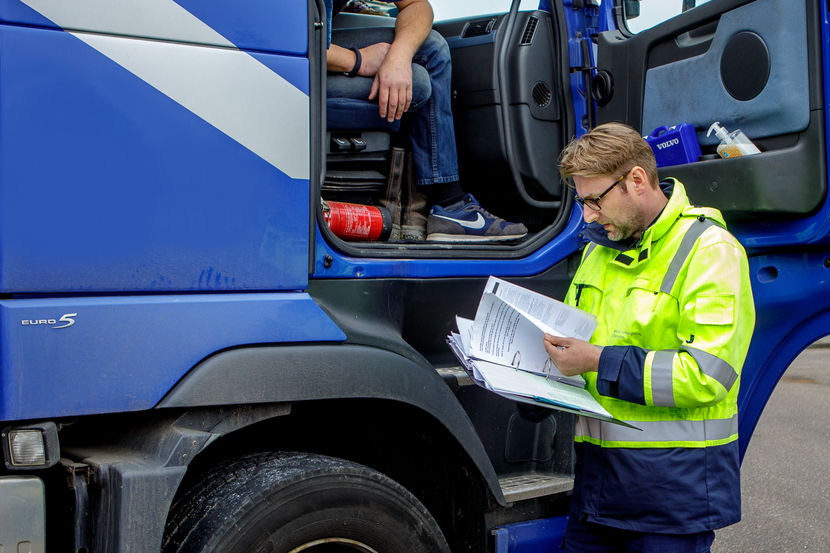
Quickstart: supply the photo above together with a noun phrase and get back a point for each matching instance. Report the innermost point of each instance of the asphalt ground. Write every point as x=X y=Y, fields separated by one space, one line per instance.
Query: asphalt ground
x=785 y=477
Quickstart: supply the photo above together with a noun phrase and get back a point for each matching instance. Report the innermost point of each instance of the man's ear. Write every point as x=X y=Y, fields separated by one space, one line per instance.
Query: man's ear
x=638 y=180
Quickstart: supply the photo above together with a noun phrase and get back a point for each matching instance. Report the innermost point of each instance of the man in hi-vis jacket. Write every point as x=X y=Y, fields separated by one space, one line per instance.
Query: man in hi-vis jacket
x=671 y=291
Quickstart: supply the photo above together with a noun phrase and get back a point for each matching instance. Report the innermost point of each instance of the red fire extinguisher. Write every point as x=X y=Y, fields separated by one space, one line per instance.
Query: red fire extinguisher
x=357 y=222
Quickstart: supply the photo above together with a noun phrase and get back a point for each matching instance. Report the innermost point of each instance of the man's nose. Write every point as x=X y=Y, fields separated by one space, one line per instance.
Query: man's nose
x=589 y=215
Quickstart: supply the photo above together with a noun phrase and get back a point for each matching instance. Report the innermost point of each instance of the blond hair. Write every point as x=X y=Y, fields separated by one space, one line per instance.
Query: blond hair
x=610 y=150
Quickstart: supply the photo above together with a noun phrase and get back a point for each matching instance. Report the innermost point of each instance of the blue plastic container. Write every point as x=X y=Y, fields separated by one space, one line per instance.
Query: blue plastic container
x=674 y=145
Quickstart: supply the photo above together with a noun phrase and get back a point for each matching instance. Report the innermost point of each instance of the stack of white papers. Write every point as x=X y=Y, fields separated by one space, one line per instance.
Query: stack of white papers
x=502 y=349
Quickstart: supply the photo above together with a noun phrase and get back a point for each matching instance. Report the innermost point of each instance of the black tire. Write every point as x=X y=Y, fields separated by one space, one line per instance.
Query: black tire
x=291 y=502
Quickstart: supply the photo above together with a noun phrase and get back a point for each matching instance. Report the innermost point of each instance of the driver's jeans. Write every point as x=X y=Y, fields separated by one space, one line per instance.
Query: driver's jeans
x=429 y=119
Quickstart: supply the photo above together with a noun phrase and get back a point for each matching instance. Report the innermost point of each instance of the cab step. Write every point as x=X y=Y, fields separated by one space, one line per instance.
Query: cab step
x=530 y=486
x=456 y=373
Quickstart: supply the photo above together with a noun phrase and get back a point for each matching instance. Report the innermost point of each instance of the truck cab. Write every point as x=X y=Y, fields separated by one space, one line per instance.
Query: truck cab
x=181 y=329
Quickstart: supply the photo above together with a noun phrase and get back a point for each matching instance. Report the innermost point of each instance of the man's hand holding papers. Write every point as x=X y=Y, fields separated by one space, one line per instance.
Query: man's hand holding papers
x=572 y=356
x=504 y=349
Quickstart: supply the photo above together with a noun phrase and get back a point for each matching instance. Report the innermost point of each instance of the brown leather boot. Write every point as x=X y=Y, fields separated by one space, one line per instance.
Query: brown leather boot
x=415 y=206
x=391 y=198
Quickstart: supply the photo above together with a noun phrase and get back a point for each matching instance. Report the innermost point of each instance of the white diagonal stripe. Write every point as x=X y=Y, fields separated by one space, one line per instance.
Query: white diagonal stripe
x=162 y=19
x=227 y=88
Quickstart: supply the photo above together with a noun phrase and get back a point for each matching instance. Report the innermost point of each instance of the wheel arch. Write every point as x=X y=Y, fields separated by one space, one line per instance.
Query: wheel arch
x=405 y=411
x=278 y=374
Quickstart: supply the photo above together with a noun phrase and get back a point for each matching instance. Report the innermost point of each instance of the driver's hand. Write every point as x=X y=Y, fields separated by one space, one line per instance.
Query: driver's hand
x=393 y=87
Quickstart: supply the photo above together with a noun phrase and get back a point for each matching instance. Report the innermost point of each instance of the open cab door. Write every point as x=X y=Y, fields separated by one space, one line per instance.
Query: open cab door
x=757 y=66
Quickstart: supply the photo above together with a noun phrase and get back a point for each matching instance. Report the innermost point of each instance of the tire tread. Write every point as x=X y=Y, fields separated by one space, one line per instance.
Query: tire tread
x=193 y=518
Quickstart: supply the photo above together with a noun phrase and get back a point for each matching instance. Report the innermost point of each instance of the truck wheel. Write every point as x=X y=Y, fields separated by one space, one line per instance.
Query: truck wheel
x=298 y=502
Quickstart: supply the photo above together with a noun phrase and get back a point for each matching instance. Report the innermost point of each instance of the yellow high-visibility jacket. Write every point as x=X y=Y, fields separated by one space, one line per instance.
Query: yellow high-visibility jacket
x=676 y=316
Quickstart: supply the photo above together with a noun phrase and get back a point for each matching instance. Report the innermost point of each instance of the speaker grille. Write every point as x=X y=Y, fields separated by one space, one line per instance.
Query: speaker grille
x=541 y=94
x=745 y=66
x=530 y=31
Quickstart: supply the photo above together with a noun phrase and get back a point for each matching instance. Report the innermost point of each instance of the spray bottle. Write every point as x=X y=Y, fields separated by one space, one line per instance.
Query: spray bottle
x=732 y=144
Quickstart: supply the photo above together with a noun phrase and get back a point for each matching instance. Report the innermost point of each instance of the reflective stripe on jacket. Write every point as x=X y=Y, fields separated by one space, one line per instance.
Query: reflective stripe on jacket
x=676 y=316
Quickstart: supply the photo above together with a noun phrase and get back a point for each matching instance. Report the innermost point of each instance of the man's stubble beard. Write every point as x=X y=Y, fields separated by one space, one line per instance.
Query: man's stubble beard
x=628 y=227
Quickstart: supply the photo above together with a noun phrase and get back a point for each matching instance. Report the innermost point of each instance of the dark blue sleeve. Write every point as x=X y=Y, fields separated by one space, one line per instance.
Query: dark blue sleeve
x=329 y=10
x=544 y=5
x=620 y=373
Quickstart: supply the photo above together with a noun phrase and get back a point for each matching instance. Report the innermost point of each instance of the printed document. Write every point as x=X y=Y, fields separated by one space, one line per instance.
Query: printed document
x=511 y=323
x=502 y=349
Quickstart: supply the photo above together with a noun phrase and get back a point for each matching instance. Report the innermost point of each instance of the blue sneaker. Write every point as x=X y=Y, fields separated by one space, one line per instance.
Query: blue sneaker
x=470 y=223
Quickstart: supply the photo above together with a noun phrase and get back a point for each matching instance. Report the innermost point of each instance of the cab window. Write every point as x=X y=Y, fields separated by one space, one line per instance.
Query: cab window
x=641 y=15
x=454 y=9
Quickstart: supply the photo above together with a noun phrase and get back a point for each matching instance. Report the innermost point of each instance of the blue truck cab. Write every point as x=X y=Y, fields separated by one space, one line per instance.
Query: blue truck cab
x=183 y=339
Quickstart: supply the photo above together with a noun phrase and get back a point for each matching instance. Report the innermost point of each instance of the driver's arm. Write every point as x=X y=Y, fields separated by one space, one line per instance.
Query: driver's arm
x=393 y=81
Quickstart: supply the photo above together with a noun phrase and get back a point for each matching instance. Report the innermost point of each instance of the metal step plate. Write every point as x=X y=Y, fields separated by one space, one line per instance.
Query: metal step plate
x=529 y=486
x=460 y=375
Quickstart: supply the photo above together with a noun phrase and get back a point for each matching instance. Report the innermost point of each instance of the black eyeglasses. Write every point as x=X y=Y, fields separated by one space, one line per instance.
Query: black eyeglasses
x=593 y=203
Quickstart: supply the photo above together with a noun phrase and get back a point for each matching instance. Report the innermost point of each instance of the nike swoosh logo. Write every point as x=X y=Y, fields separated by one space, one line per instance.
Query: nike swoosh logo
x=477 y=224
